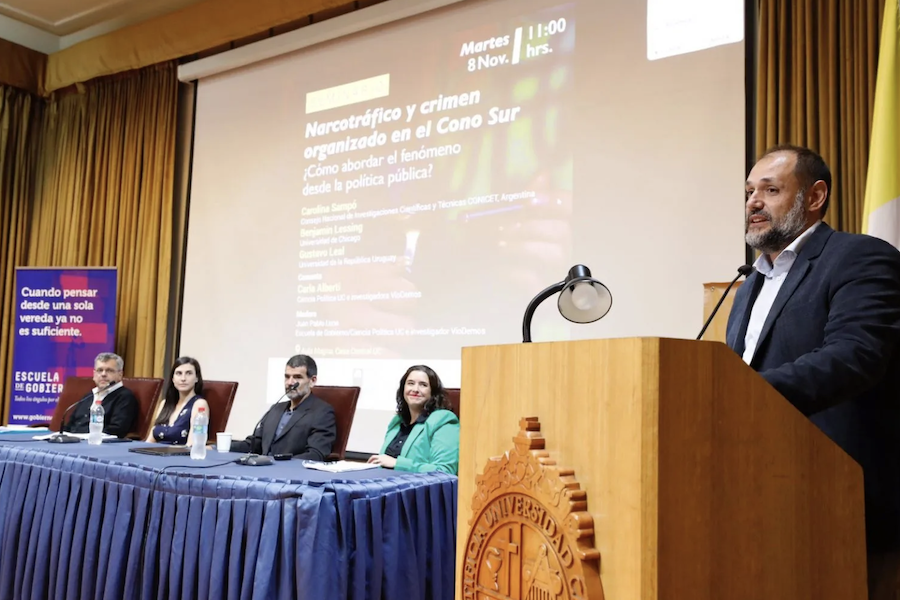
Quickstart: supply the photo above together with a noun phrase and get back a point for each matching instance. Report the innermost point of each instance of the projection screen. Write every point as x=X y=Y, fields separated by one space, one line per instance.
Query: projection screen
x=387 y=198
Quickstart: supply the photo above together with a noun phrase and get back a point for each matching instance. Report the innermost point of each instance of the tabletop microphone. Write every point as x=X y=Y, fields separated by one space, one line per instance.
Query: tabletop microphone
x=287 y=390
x=743 y=270
x=62 y=437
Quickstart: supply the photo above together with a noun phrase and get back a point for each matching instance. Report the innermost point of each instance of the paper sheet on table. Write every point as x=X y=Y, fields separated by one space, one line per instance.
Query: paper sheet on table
x=22 y=429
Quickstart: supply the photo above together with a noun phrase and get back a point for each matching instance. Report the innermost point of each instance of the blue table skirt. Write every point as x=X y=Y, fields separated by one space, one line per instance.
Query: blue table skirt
x=73 y=517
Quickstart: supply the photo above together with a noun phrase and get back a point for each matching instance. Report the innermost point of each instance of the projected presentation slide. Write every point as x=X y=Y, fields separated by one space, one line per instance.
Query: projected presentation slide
x=411 y=178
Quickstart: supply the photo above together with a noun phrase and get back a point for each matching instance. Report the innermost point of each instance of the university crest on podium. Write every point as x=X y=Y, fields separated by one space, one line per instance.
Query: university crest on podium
x=530 y=536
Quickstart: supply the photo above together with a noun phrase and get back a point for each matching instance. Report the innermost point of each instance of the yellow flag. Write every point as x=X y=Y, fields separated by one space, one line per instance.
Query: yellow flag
x=881 y=212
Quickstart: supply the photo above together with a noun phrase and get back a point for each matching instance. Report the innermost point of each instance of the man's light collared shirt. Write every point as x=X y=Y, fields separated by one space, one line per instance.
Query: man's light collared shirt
x=774 y=276
x=101 y=394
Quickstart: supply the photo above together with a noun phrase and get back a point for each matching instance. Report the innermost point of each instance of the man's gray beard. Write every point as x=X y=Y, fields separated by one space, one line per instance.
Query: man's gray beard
x=781 y=233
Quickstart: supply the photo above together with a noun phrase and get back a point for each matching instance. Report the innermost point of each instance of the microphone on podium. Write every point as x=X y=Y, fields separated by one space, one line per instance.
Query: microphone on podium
x=743 y=270
x=62 y=437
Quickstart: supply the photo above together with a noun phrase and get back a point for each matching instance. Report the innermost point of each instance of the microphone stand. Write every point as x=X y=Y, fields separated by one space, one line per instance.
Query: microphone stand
x=743 y=270
x=61 y=436
x=243 y=460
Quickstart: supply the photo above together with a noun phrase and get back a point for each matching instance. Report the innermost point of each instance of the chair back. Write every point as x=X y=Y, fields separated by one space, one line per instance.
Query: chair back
x=453 y=398
x=145 y=389
x=74 y=389
x=220 y=396
x=343 y=400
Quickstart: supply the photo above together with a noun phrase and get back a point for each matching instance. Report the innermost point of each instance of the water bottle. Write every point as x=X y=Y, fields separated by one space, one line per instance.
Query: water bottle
x=95 y=429
x=200 y=427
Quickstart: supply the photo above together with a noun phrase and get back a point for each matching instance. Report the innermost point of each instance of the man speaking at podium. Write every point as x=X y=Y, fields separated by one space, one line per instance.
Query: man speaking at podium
x=819 y=319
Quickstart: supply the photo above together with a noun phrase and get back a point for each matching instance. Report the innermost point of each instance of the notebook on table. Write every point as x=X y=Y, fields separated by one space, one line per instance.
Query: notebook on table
x=163 y=450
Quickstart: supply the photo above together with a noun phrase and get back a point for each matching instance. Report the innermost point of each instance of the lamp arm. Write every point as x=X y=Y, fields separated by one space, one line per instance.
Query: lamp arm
x=532 y=306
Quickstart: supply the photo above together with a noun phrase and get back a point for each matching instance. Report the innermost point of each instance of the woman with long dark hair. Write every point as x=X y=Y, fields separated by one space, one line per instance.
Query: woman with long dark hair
x=424 y=434
x=179 y=404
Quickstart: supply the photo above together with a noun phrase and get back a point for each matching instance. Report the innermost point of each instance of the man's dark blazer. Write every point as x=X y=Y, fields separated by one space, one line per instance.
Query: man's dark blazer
x=831 y=346
x=308 y=435
x=120 y=413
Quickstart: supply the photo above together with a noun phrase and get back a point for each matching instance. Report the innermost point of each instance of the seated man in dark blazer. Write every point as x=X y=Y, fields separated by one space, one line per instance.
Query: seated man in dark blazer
x=304 y=425
x=119 y=404
x=819 y=319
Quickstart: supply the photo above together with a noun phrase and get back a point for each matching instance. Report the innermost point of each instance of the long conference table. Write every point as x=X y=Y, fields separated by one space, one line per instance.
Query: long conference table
x=80 y=521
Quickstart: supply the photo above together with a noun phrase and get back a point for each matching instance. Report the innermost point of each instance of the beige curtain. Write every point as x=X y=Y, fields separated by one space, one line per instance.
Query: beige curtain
x=20 y=136
x=816 y=86
x=103 y=197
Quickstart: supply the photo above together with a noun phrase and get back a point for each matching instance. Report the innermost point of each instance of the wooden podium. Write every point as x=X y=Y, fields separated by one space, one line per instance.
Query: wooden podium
x=703 y=482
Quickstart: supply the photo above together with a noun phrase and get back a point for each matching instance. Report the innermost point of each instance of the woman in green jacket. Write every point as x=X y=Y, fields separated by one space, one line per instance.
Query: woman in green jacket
x=424 y=434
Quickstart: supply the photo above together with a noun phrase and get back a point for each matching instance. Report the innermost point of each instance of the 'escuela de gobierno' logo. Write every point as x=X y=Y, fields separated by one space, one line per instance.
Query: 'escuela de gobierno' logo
x=530 y=535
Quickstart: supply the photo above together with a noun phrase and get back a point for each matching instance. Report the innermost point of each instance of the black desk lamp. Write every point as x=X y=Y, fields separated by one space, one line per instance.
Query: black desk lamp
x=583 y=299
